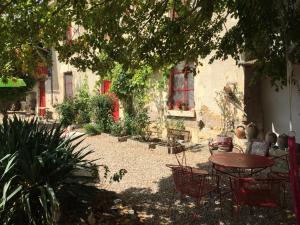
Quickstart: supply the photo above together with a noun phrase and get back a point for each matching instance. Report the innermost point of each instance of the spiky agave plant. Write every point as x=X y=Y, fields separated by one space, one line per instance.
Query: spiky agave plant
x=35 y=164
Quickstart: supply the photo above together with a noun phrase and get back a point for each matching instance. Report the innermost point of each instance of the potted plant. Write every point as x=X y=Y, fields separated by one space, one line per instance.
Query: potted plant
x=184 y=106
x=178 y=105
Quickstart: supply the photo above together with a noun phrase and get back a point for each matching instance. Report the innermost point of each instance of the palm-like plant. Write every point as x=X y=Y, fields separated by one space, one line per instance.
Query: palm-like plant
x=36 y=163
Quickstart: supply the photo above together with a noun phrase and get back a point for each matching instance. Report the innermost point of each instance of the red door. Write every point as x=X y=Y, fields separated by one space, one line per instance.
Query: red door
x=105 y=89
x=42 y=109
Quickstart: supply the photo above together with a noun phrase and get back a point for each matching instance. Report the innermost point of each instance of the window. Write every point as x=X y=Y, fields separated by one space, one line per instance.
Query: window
x=68 y=78
x=181 y=87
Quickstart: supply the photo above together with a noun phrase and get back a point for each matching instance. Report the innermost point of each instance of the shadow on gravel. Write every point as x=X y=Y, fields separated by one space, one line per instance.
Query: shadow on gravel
x=161 y=207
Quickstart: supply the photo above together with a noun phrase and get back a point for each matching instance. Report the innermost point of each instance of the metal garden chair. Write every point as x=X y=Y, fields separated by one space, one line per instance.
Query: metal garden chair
x=193 y=182
x=257 y=192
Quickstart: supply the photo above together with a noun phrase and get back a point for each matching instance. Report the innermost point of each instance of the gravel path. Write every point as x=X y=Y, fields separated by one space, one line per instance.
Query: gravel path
x=148 y=186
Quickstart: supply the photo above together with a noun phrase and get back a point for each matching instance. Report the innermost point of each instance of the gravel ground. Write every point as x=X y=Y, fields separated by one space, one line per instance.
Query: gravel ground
x=148 y=186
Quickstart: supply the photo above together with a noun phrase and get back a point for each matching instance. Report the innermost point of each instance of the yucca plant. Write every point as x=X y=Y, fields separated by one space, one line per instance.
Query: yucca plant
x=37 y=163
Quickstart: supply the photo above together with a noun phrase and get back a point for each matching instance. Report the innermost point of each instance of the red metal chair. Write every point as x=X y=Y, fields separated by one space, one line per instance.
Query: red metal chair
x=193 y=182
x=259 y=192
x=282 y=163
x=283 y=173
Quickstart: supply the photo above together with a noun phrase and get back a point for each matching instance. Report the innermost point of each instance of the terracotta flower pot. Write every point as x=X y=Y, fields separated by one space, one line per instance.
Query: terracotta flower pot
x=240 y=132
x=282 y=141
x=224 y=143
x=271 y=138
x=251 y=131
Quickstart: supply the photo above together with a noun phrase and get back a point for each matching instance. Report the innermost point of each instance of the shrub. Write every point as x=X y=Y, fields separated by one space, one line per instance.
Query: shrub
x=82 y=105
x=76 y=110
x=136 y=125
x=175 y=124
x=117 y=129
x=67 y=112
x=102 y=111
x=92 y=129
x=142 y=123
x=36 y=163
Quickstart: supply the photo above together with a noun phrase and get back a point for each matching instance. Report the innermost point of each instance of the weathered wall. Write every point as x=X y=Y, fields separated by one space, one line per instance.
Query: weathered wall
x=276 y=107
x=209 y=79
x=57 y=95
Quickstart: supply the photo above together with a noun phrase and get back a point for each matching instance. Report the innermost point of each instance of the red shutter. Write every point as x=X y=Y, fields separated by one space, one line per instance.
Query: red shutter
x=106 y=89
x=42 y=109
x=106 y=86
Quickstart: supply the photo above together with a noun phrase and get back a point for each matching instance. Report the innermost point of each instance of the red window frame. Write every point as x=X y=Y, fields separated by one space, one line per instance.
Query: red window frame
x=175 y=105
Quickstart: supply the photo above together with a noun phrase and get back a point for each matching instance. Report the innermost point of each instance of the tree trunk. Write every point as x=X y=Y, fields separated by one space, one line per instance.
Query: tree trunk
x=128 y=105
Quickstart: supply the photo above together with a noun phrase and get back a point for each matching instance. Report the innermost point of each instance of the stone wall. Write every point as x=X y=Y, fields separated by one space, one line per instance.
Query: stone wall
x=276 y=106
x=208 y=80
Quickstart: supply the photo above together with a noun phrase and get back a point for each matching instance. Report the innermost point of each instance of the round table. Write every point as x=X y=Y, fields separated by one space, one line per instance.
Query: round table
x=240 y=161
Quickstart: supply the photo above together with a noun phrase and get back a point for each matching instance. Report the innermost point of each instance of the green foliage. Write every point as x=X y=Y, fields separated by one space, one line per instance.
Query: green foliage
x=82 y=104
x=131 y=86
x=128 y=82
x=177 y=124
x=131 y=125
x=77 y=109
x=147 y=32
x=102 y=111
x=37 y=163
x=30 y=26
x=229 y=101
x=121 y=84
x=136 y=125
x=142 y=32
x=142 y=123
x=117 y=177
x=10 y=95
x=92 y=129
x=67 y=112
x=135 y=33
x=117 y=129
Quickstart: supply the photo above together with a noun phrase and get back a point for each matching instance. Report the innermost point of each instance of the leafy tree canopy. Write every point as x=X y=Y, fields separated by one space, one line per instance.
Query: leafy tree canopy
x=135 y=33
x=28 y=27
x=168 y=31
x=157 y=33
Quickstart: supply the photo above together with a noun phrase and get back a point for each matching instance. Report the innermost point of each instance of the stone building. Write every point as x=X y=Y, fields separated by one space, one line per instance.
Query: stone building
x=207 y=99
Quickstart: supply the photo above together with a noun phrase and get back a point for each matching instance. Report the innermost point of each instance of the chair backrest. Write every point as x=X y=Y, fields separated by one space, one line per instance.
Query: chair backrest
x=181 y=176
x=257 y=191
x=258 y=148
x=190 y=183
x=281 y=160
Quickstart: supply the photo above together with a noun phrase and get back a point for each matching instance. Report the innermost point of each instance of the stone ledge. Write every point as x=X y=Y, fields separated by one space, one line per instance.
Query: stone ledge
x=181 y=113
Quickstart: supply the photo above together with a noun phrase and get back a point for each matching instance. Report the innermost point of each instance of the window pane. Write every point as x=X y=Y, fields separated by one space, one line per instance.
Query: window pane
x=179 y=81
x=190 y=78
x=178 y=96
x=191 y=101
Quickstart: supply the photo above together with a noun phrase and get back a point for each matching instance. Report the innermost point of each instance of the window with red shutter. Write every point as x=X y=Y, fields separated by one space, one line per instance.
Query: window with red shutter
x=181 y=87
